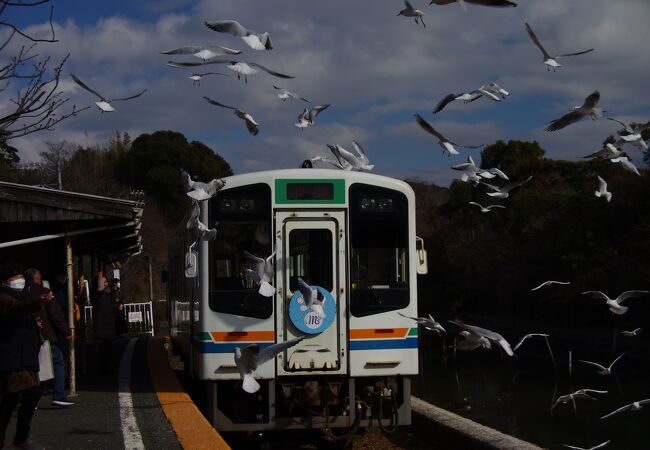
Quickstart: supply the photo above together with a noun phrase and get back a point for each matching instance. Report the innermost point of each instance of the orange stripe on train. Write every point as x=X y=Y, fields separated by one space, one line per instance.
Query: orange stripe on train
x=378 y=333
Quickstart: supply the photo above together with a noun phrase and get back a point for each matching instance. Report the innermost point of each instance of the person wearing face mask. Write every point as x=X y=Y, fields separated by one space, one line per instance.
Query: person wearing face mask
x=103 y=319
x=19 y=347
x=54 y=328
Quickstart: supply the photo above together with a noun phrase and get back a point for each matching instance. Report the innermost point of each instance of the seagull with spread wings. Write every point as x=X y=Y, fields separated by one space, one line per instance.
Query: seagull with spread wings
x=262 y=273
x=307 y=117
x=249 y=358
x=409 y=11
x=198 y=190
x=528 y=336
x=204 y=52
x=504 y=191
x=549 y=60
x=286 y=94
x=602 y=190
x=631 y=333
x=634 y=407
x=478 y=332
x=579 y=394
x=597 y=447
x=602 y=370
x=472 y=172
x=447 y=145
x=632 y=135
x=255 y=40
x=245 y=69
x=359 y=161
x=105 y=104
x=251 y=125
x=200 y=229
x=548 y=283
x=427 y=322
x=312 y=298
x=615 y=304
x=486 y=209
x=196 y=77
x=577 y=113
x=492 y=91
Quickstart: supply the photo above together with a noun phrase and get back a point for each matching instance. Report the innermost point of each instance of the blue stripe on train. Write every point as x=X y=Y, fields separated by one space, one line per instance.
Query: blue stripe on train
x=383 y=344
x=228 y=347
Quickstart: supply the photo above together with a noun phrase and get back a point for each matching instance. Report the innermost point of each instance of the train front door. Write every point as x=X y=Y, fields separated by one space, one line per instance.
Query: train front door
x=311 y=245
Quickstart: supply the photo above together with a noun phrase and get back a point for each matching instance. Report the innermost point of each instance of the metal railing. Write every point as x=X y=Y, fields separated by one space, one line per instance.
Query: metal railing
x=139 y=319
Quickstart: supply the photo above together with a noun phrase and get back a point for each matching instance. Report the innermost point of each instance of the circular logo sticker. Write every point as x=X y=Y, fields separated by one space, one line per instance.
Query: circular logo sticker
x=312 y=320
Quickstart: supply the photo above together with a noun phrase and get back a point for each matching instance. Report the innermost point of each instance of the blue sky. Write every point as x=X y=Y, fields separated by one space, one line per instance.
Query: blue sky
x=375 y=68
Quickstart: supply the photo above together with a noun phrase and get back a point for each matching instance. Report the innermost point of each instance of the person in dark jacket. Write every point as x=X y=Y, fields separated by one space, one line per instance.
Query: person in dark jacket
x=54 y=328
x=103 y=319
x=19 y=347
x=120 y=311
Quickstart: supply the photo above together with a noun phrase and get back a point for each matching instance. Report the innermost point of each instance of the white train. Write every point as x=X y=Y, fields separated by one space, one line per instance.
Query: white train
x=349 y=234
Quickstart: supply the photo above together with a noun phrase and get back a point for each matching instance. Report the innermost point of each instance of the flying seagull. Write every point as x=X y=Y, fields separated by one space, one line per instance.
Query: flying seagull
x=602 y=370
x=312 y=298
x=528 y=336
x=447 y=145
x=427 y=322
x=625 y=162
x=249 y=358
x=204 y=52
x=579 y=394
x=196 y=76
x=588 y=108
x=634 y=407
x=462 y=3
x=251 y=125
x=548 y=283
x=194 y=223
x=409 y=11
x=597 y=447
x=249 y=68
x=632 y=333
x=356 y=162
x=609 y=151
x=198 y=190
x=615 y=304
x=471 y=172
x=478 y=332
x=306 y=118
x=602 y=190
x=549 y=60
x=504 y=191
x=254 y=40
x=263 y=273
x=486 y=209
x=104 y=104
x=492 y=91
x=286 y=94
x=633 y=134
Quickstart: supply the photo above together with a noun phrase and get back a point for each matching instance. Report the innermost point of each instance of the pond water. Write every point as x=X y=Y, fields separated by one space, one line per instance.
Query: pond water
x=514 y=395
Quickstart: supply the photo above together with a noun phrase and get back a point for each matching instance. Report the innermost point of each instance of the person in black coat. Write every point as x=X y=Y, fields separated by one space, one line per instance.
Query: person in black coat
x=19 y=347
x=103 y=319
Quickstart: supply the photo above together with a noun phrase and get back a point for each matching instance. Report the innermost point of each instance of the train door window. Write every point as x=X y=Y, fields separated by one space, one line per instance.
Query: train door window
x=242 y=217
x=310 y=257
x=379 y=250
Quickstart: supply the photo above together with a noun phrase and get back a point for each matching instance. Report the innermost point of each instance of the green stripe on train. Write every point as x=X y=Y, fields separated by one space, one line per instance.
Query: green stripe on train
x=413 y=332
x=337 y=196
x=205 y=336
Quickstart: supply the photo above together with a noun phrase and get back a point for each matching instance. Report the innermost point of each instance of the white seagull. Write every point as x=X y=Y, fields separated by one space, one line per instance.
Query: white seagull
x=549 y=60
x=286 y=94
x=263 y=273
x=105 y=104
x=471 y=172
x=633 y=134
x=312 y=298
x=504 y=191
x=355 y=162
x=249 y=358
x=204 y=52
x=632 y=333
x=625 y=162
x=198 y=190
x=608 y=151
x=597 y=447
x=615 y=304
x=528 y=336
x=486 y=209
x=492 y=91
x=196 y=77
x=588 y=108
x=249 y=68
x=602 y=190
x=548 y=283
x=461 y=3
x=251 y=125
x=634 y=407
x=447 y=145
x=254 y=40
x=602 y=370
x=306 y=118
x=579 y=394
x=194 y=223
x=409 y=11
x=427 y=322
x=477 y=332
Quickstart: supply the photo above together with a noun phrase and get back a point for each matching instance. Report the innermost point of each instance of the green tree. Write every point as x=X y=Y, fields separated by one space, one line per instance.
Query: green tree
x=154 y=161
x=516 y=158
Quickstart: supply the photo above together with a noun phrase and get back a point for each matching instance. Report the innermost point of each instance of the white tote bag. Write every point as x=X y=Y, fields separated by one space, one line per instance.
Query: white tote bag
x=46 y=371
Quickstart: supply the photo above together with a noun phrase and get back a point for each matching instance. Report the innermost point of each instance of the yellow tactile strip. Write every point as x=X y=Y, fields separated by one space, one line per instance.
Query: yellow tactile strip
x=191 y=428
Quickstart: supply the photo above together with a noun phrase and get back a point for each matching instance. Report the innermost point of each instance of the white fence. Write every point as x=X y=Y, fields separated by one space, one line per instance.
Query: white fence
x=139 y=318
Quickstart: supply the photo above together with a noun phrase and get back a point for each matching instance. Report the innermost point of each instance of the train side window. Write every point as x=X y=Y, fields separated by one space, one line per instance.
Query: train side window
x=379 y=250
x=242 y=216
